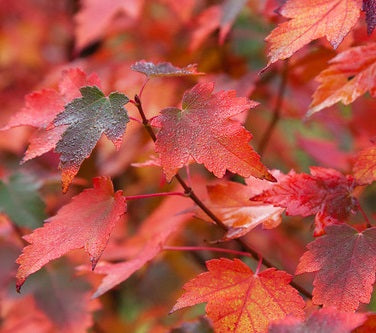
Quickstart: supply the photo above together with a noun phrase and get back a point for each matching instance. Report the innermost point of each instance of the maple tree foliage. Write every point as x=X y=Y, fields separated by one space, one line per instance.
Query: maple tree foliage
x=310 y=20
x=344 y=260
x=240 y=300
x=198 y=124
x=203 y=130
x=365 y=166
x=324 y=321
x=325 y=193
x=85 y=222
x=349 y=75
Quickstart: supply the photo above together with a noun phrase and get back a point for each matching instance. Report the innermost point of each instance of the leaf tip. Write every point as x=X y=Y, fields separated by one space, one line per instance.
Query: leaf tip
x=19 y=285
x=94 y=262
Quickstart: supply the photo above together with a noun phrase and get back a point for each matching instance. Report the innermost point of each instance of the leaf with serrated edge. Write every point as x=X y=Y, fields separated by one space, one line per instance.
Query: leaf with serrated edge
x=87 y=118
x=310 y=20
x=365 y=166
x=326 y=320
x=345 y=264
x=326 y=193
x=87 y=221
x=350 y=74
x=239 y=300
x=203 y=129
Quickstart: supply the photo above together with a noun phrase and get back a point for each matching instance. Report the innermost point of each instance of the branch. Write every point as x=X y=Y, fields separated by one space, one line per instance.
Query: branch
x=153 y=195
x=276 y=112
x=206 y=248
x=191 y=194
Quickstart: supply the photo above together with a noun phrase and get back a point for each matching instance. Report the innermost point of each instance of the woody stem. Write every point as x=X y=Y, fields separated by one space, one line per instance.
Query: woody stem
x=191 y=194
x=276 y=112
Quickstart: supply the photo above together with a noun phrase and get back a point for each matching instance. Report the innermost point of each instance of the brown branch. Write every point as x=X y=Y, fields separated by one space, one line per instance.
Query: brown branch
x=191 y=194
x=276 y=112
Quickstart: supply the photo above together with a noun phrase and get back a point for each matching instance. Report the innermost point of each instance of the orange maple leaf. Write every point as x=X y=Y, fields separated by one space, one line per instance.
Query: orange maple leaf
x=240 y=300
x=365 y=166
x=309 y=20
x=230 y=202
x=350 y=74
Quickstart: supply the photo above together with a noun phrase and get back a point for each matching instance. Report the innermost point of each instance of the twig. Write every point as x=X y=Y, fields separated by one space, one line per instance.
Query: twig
x=276 y=112
x=192 y=195
x=206 y=248
x=153 y=195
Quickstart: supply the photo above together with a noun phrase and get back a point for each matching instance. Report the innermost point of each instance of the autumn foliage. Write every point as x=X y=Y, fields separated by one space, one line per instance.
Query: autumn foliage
x=187 y=166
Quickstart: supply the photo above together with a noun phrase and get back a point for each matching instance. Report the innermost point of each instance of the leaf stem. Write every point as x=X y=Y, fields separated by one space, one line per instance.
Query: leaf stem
x=145 y=121
x=135 y=119
x=192 y=195
x=153 y=195
x=276 y=112
x=142 y=88
x=206 y=248
x=259 y=266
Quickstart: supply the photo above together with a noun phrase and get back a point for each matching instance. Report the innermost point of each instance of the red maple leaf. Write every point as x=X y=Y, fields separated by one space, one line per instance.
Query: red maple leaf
x=203 y=129
x=325 y=193
x=309 y=20
x=345 y=264
x=87 y=221
x=239 y=300
x=326 y=320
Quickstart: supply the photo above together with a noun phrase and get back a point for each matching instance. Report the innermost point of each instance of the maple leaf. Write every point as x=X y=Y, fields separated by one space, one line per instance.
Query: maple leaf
x=164 y=69
x=20 y=200
x=325 y=193
x=95 y=16
x=230 y=202
x=147 y=243
x=326 y=320
x=345 y=262
x=365 y=166
x=311 y=20
x=41 y=107
x=369 y=6
x=203 y=129
x=239 y=300
x=88 y=118
x=349 y=75
x=87 y=221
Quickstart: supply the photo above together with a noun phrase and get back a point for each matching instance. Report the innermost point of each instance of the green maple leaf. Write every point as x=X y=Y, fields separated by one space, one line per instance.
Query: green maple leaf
x=88 y=117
